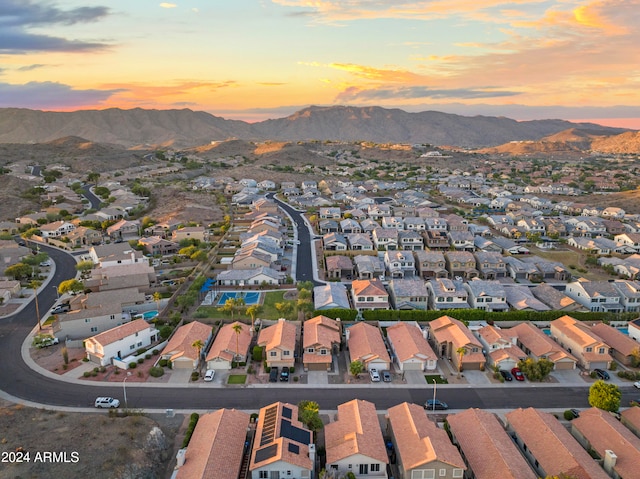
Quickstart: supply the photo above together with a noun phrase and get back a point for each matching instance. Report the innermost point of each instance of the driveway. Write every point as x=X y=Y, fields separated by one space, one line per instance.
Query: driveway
x=180 y=376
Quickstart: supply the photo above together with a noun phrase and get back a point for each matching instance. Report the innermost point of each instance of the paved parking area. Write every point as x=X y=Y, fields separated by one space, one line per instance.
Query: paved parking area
x=180 y=376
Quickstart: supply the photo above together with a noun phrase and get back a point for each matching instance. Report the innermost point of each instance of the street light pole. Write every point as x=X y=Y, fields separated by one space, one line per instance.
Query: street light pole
x=434 y=394
x=124 y=389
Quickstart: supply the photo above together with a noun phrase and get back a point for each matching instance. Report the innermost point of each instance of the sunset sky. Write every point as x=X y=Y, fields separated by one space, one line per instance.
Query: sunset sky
x=258 y=59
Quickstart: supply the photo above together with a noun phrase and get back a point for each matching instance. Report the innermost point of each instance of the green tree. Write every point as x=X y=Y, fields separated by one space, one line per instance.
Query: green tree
x=304 y=294
x=157 y=297
x=285 y=308
x=70 y=286
x=93 y=177
x=19 y=271
x=308 y=285
x=461 y=351
x=237 y=328
x=253 y=311
x=309 y=415
x=198 y=345
x=356 y=368
x=536 y=371
x=605 y=396
x=305 y=307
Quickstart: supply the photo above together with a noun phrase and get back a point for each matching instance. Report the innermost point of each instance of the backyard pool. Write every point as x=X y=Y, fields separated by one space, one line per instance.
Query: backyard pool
x=147 y=315
x=249 y=298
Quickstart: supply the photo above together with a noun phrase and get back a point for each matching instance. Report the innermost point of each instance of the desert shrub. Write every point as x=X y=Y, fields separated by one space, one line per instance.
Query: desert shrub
x=95 y=370
x=155 y=352
x=162 y=362
x=195 y=376
x=86 y=374
x=102 y=369
x=568 y=415
x=147 y=356
x=140 y=360
x=156 y=372
x=133 y=365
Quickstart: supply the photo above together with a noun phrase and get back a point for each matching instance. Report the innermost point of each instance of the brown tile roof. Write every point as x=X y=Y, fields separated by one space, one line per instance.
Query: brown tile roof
x=488 y=449
x=281 y=335
x=539 y=343
x=270 y=433
x=492 y=335
x=216 y=446
x=365 y=343
x=120 y=332
x=408 y=342
x=180 y=344
x=357 y=431
x=631 y=417
x=321 y=331
x=552 y=445
x=418 y=440
x=449 y=330
x=575 y=330
x=368 y=287
x=227 y=340
x=615 y=339
x=512 y=352
x=605 y=432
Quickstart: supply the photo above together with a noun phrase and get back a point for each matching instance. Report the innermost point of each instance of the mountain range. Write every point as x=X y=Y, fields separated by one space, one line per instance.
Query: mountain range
x=143 y=128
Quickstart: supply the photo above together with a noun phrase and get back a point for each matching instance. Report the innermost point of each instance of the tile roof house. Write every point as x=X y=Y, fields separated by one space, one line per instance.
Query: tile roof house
x=486 y=447
x=538 y=345
x=283 y=446
x=410 y=349
x=369 y=294
x=339 y=266
x=615 y=445
x=120 y=342
x=461 y=264
x=577 y=338
x=216 y=447
x=229 y=346
x=598 y=296
x=555 y=299
x=279 y=341
x=622 y=347
x=422 y=447
x=408 y=293
x=490 y=264
x=354 y=441
x=180 y=349
x=500 y=347
x=366 y=345
x=549 y=446
x=321 y=336
x=520 y=298
x=400 y=264
x=630 y=417
x=449 y=335
x=430 y=264
x=368 y=267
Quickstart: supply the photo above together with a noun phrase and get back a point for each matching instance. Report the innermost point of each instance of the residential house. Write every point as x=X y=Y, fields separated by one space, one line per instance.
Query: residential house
x=328 y=226
x=339 y=266
x=461 y=265
x=331 y=212
x=230 y=345
x=334 y=242
x=359 y=242
x=216 y=448
x=461 y=240
x=378 y=211
x=500 y=347
x=555 y=299
x=634 y=329
x=414 y=223
x=485 y=244
x=250 y=260
x=621 y=347
x=595 y=295
x=410 y=240
x=366 y=345
x=630 y=417
x=422 y=448
x=549 y=270
x=447 y=294
x=629 y=294
x=392 y=222
x=486 y=447
x=349 y=226
x=56 y=229
x=279 y=343
x=509 y=246
x=410 y=350
x=120 y=342
x=629 y=239
x=83 y=236
x=598 y=246
x=436 y=240
x=115 y=254
x=283 y=446
x=250 y=277
x=614 y=227
x=197 y=233
x=330 y=296
x=137 y=276
x=354 y=443
x=520 y=298
x=124 y=230
x=450 y=337
x=399 y=264
x=491 y=265
x=554 y=452
x=156 y=246
x=538 y=346
x=430 y=264
x=321 y=337
x=385 y=239
x=408 y=293
x=187 y=344
x=436 y=224
x=521 y=270
x=369 y=294
x=368 y=267
x=487 y=295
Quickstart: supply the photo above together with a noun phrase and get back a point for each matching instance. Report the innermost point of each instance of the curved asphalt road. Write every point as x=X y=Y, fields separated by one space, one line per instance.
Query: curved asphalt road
x=23 y=383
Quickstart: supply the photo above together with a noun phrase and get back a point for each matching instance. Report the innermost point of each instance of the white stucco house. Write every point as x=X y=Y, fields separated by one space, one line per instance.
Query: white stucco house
x=120 y=342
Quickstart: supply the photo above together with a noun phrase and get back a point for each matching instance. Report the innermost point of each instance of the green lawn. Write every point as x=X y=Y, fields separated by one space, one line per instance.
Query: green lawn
x=237 y=379
x=269 y=310
x=439 y=379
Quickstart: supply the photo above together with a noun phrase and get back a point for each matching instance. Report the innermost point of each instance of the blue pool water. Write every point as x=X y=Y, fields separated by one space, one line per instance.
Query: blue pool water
x=249 y=298
x=147 y=315
x=547 y=331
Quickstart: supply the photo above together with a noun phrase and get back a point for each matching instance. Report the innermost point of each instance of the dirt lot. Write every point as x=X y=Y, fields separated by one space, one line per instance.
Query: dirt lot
x=96 y=445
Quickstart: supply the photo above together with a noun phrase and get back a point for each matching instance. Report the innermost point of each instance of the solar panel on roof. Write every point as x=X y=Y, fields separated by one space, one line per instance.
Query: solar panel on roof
x=294 y=448
x=266 y=453
x=286 y=412
x=294 y=433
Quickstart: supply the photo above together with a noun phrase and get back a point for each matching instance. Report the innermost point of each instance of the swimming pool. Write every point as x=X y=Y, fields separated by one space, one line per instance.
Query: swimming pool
x=147 y=315
x=249 y=297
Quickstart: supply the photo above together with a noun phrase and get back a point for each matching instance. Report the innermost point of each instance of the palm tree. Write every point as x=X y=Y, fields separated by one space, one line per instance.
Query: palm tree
x=157 y=297
x=461 y=352
x=198 y=344
x=254 y=311
x=237 y=328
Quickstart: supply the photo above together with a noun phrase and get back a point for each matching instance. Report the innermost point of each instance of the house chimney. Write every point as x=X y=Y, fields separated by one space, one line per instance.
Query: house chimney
x=180 y=457
x=346 y=334
x=610 y=459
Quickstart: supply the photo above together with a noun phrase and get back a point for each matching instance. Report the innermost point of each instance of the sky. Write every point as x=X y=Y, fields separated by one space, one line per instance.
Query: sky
x=251 y=60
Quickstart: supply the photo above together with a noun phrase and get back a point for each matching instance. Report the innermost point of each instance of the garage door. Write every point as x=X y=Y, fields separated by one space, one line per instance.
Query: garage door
x=565 y=365
x=184 y=364
x=412 y=366
x=316 y=367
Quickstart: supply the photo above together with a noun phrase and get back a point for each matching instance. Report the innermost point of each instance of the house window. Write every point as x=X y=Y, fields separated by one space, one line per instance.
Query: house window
x=323 y=352
x=310 y=350
x=600 y=350
x=589 y=349
x=458 y=473
x=139 y=344
x=273 y=354
x=370 y=299
x=361 y=298
x=443 y=472
x=488 y=300
x=264 y=475
x=374 y=467
x=94 y=329
x=113 y=316
x=286 y=353
x=449 y=299
x=132 y=347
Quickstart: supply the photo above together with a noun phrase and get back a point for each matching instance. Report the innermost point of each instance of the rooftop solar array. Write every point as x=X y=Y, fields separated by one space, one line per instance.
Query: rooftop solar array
x=266 y=453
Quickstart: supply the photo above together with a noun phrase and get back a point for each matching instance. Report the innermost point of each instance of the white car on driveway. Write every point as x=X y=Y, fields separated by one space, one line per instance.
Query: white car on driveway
x=375 y=375
x=209 y=375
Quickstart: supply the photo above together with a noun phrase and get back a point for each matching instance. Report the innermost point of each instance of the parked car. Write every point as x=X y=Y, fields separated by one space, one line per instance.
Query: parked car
x=273 y=374
x=375 y=376
x=506 y=375
x=209 y=375
x=61 y=308
x=386 y=376
x=48 y=341
x=637 y=384
x=107 y=402
x=601 y=374
x=517 y=374
x=45 y=264
x=284 y=375
x=575 y=412
x=436 y=404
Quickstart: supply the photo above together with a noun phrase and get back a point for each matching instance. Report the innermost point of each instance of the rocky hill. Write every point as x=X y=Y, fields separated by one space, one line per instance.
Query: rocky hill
x=187 y=128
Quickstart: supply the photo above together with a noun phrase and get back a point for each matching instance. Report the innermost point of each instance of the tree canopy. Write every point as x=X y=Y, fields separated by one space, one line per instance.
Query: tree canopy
x=605 y=396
